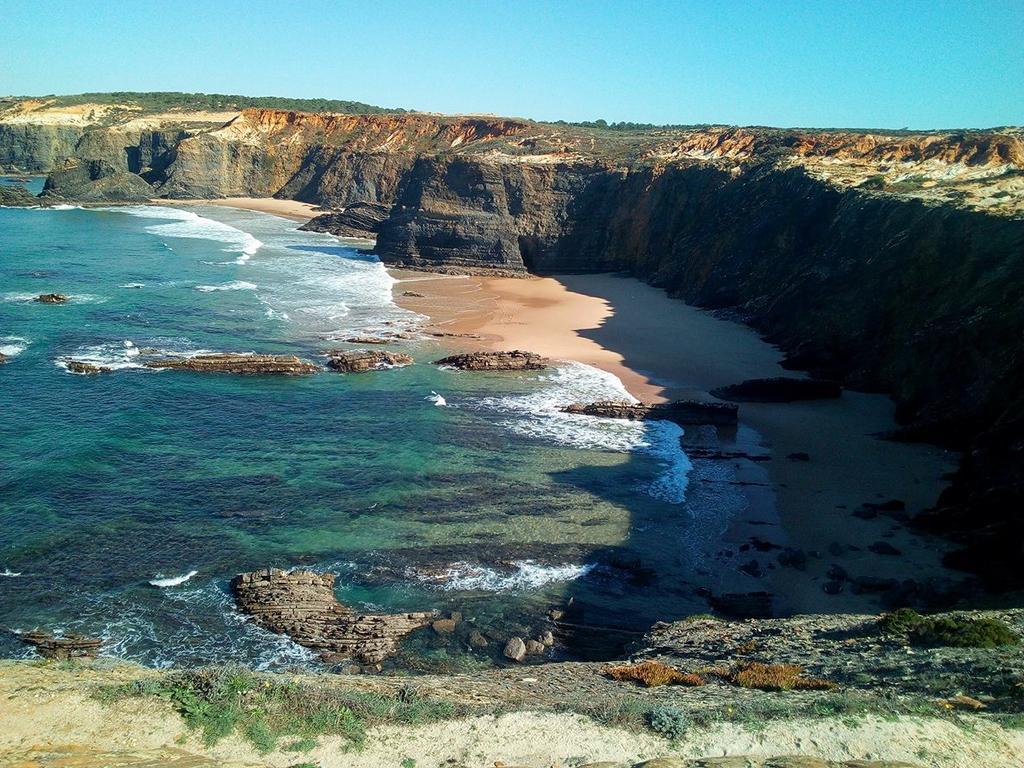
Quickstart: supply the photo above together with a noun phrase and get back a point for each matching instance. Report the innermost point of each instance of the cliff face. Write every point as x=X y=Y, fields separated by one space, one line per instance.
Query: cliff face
x=892 y=261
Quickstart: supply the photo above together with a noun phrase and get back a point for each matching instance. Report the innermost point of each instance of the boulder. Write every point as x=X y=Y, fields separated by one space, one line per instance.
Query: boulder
x=302 y=605
x=364 y=360
x=444 y=626
x=63 y=648
x=287 y=365
x=77 y=366
x=535 y=647
x=515 y=649
x=781 y=389
x=685 y=412
x=412 y=294
x=517 y=360
x=477 y=639
x=548 y=638
x=3 y=358
x=51 y=298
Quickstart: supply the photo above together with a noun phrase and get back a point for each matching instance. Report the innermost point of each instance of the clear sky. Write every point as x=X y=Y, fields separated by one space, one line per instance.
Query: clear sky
x=824 y=63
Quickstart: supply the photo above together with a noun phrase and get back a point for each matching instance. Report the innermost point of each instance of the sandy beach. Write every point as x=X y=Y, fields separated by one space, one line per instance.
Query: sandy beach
x=663 y=349
x=289 y=209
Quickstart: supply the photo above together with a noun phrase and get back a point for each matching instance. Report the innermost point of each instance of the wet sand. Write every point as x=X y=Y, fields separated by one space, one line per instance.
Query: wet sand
x=663 y=349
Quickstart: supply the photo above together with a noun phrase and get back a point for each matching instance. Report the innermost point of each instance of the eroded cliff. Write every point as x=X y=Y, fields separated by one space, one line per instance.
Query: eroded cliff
x=892 y=261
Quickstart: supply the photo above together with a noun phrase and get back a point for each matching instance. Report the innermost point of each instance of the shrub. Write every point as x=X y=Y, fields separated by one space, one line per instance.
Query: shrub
x=652 y=673
x=777 y=677
x=949 y=631
x=900 y=621
x=669 y=722
x=962 y=632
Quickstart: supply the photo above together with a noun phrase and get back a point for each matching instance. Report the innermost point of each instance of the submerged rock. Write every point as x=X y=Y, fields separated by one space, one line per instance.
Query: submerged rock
x=686 y=412
x=3 y=358
x=77 y=366
x=364 y=360
x=781 y=389
x=51 y=298
x=287 y=365
x=63 y=648
x=517 y=360
x=302 y=605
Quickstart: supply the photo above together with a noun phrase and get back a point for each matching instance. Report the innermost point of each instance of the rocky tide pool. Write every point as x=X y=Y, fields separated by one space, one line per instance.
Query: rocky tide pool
x=131 y=497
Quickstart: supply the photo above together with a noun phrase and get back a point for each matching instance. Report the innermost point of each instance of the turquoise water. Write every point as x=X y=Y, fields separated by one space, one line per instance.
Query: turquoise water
x=496 y=505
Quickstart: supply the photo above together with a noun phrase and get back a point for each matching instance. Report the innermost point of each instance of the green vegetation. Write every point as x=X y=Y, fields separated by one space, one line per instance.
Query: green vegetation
x=159 y=101
x=947 y=631
x=219 y=702
x=669 y=722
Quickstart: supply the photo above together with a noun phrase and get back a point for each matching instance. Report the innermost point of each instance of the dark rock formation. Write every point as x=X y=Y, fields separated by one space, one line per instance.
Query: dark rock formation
x=63 y=648
x=779 y=390
x=16 y=196
x=287 y=365
x=686 y=412
x=302 y=605
x=364 y=360
x=96 y=181
x=52 y=298
x=356 y=220
x=77 y=366
x=517 y=360
x=3 y=358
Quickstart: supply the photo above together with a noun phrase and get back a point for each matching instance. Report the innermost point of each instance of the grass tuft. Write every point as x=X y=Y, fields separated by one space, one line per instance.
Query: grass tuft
x=777 y=677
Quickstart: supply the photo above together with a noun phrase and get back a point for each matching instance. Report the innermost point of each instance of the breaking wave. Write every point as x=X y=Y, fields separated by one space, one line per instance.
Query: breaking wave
x=539 y=415
x=519 y=576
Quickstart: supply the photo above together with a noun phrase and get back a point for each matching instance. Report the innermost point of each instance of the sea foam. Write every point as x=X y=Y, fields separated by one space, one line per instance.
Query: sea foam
x=539 y=415
x=188 y=224
x=522 y=575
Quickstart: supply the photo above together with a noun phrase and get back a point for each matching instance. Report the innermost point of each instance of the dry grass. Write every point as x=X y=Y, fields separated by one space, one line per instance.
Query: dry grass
x=652 y=673
x=777 y=677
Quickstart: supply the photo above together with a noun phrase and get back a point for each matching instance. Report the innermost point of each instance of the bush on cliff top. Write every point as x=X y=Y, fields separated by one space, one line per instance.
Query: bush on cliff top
x=947 y=631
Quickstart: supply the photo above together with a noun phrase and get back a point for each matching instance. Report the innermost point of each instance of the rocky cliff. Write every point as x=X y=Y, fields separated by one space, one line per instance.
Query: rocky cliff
x=893 y=261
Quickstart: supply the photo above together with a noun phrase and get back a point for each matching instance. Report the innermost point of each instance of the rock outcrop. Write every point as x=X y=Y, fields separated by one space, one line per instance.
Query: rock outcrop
x=51 y=298
x=302 y=605
x=781 y=389
x=685 y=412
x=361 y=361
x=78 y=366
x=16 y=196
x=64 y=647
x=286 y=365
x=357 y=220
x=517 y=360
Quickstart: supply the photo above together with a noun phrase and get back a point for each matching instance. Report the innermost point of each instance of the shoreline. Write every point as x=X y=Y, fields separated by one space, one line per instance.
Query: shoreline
x=289 y=209
x=663 y=349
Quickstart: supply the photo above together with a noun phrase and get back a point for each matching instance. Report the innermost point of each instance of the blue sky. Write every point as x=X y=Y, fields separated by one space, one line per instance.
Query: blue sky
x=831 y=63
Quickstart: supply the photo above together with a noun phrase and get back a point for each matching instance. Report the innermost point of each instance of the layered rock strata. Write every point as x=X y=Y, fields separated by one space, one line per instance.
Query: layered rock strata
x=684 y=412
x=286 y=365
x=361 y=361
x=517 y=360
x=302 y=605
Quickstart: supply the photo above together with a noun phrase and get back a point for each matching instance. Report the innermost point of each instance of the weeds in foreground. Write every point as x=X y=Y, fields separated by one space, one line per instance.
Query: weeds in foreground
x=652 y=673
x=220 y=702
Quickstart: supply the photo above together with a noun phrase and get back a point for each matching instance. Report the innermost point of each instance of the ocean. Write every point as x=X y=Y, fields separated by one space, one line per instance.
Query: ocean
x=129 y=499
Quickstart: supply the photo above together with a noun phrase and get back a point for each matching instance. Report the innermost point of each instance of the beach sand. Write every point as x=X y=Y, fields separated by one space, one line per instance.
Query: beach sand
x=663 y=349
x=289 y=209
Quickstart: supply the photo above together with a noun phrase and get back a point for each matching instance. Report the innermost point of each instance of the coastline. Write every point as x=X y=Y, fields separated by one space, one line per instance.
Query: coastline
x=662 y=349
x=289 y=209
